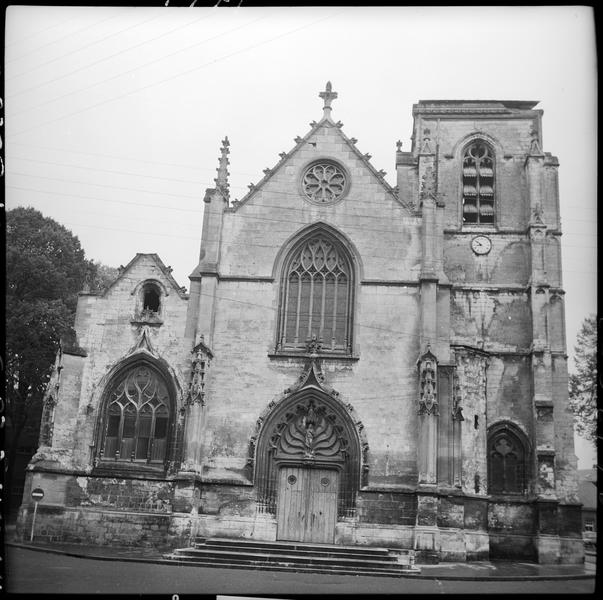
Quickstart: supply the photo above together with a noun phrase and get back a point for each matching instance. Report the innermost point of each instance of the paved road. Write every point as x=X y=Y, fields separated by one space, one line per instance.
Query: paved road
x=33 y=572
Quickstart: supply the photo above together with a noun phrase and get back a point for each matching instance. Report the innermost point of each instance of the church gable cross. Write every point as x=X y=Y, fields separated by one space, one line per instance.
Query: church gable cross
x=328 y=96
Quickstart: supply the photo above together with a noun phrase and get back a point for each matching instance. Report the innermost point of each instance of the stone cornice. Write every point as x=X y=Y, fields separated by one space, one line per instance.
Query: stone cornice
x=238 y=278
x=391 y=282
x=468 y=287
x=302 y=355
x=449 y=231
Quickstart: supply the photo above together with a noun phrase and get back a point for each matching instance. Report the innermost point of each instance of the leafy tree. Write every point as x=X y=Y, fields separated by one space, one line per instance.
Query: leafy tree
x=583 y=384
x=46 y=267
x=103 y=276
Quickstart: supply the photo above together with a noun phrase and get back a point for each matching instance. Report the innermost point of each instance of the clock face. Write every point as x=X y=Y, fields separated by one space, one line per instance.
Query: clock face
x=481 y=244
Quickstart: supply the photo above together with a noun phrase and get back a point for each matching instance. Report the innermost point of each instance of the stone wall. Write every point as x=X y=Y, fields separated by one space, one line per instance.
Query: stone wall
x=102 y=511
x=108 y=328
x=385 y=245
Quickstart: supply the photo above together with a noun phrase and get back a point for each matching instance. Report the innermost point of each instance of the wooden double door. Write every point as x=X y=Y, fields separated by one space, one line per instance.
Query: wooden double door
x=307 y=504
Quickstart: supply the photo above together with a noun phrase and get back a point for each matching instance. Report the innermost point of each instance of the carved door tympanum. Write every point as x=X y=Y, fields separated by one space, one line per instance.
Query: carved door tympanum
x=307 y=504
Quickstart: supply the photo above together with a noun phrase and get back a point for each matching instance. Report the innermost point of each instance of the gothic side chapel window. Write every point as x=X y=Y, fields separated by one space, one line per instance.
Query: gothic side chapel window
x=316 y=296
x=507 y=461
x=478 y=184
x=137 y=418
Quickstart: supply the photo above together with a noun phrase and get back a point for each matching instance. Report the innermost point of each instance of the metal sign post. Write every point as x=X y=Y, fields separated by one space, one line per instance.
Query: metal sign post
x=37 y=495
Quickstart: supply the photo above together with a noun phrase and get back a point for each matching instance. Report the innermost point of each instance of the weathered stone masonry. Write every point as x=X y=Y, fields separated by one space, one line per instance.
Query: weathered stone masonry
x=354 y=363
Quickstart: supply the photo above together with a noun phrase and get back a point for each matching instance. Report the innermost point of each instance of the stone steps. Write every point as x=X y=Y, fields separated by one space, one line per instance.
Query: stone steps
x=295 y=556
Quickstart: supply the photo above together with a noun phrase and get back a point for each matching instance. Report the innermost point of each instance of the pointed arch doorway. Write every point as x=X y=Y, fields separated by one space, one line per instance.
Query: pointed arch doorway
x=308 y=467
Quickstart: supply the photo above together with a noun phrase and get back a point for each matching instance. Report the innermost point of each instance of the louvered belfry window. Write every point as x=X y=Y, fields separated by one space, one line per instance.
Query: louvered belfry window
x=478 y=184
x=316 y=300
x=137 y=419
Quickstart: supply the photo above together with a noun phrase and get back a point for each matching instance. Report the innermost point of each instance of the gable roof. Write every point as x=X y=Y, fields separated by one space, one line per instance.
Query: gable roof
x=299 y=143
x=166 y=271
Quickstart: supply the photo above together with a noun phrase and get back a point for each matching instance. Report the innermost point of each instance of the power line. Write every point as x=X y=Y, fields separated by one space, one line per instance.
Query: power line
x=141 y=204
x=96 y=169
x=198 y=182
x=161 y=206
x=244 y=244
x=119 y=53
x=104 y=185
x=357 y=322
x=64 y=37
x=255 y=217
x=40 y=65
x=57 y=98
x=177 y=75
x=38 y=32
x=80 y=152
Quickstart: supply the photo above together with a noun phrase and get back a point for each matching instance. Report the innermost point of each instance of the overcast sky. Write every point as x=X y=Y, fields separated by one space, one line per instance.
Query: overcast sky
x=114 y=116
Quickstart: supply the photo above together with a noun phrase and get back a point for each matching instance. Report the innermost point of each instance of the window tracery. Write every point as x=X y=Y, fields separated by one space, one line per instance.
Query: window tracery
x=316 y=297
x=478 y=184
x=507 y=461
x=324 y=182
x=137 y=418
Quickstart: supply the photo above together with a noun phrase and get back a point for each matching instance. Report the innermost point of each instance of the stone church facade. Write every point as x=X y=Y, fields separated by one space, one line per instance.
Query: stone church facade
x=354 y=363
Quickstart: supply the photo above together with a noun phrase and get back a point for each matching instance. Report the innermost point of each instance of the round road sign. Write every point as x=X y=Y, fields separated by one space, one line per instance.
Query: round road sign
x=37 y=494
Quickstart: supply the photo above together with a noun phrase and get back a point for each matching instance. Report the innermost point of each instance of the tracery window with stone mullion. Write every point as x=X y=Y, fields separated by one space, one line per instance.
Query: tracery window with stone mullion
x=506 y=463
x=478 y=184
x=137 y=419
x=317 y=297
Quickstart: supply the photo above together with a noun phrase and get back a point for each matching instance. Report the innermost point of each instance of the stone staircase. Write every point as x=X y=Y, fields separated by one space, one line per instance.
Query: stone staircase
x=296 y=556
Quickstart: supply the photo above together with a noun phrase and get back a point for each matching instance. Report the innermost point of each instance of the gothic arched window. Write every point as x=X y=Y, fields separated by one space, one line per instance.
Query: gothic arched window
x=478 y=183
x=507 y=460
x=317 y=296
x=137 y=417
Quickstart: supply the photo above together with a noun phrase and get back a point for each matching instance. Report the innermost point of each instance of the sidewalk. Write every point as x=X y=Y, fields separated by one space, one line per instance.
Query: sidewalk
x=471 y=571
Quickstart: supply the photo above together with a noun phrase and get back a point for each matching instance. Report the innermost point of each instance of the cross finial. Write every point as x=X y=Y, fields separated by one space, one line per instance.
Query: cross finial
x=222 y=178
x=328 y=96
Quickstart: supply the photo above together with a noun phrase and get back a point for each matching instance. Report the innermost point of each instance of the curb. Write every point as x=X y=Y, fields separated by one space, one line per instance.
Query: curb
x=164 y=561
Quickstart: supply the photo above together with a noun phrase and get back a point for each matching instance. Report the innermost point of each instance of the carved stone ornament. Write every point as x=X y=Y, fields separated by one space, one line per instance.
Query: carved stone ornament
x=310 y=432
x=144 y=344
x=537 y=213
x=147 y=317
x=426 y=144
x=428 y=186
x=428 y=395
x=314 y=346
x=537 y=233
x=221 y=180
x=546 y=475
x=327 y=96
x=309 y=428
x=457 y=409
x=324 y=182
x=201 y=361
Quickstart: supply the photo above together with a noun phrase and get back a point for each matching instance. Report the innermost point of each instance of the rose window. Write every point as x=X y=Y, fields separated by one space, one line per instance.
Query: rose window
x=324 y=182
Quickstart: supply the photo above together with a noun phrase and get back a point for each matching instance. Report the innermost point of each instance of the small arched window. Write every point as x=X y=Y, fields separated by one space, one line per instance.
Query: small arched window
x=478 y=184
x=316 y=296
x=137 y=417
x=507 y=460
